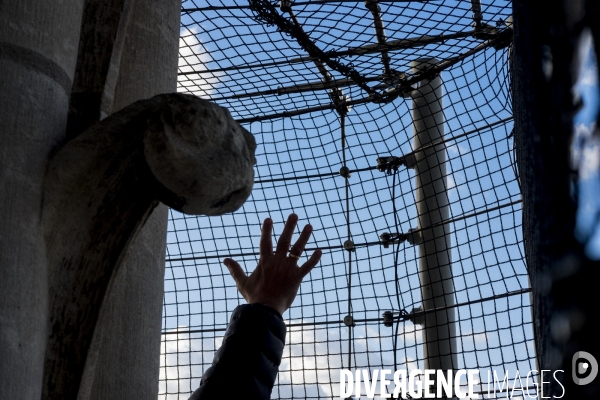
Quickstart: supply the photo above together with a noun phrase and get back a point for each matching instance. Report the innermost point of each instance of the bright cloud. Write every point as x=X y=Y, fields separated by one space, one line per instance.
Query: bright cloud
x=312 y=358
x=194 y=57
x=589 y=73
x=586 y=151
x=312 y=364
x=183 y=358
x=456 y=150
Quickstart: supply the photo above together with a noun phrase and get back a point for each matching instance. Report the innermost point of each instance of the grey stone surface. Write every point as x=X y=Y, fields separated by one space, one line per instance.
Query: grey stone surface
x=124 y=359
x=128 y=357
x=207 y=159
x=127 y=361
x=83 y=235
x=104 y=27
x=50 y=29
x=104 y=176
x=38 y=48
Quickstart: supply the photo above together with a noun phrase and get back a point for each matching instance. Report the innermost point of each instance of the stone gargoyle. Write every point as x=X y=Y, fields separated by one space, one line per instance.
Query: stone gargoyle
x=101 y=187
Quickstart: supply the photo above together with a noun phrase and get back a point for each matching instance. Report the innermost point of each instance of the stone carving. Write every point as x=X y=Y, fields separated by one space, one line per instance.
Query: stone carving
x=200 y=153
x=100 y=188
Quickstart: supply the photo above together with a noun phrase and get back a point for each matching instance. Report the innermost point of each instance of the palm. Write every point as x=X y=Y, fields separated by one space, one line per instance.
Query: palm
x=277 y=277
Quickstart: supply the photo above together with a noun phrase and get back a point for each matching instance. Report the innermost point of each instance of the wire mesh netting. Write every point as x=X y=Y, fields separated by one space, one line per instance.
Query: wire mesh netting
x=386 y=126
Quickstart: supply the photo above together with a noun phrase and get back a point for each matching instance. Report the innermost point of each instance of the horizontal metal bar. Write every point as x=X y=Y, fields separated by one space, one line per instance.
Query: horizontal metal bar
x=462 y=217
x=400 y=44
x=341 y=247
x=392 y=45
x=291 y=178
x=402 y=159
x=404 y=317
x=246 y=66
x=452 y=138
x=256 y=253
x=307 y=87
x=312 y=86
x=269 y=92
x=326 y=174
x=344 y=82
x=297 y=3
x=287 y=114
x=194 y=331
x=406 y=85
x=380 y=319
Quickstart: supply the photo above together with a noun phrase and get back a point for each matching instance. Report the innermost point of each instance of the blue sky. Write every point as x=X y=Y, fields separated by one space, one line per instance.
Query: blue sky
x=586 y=151
x=487 y=251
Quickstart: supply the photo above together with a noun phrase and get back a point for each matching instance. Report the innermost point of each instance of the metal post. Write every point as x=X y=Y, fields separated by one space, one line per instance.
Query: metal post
x=437 y=289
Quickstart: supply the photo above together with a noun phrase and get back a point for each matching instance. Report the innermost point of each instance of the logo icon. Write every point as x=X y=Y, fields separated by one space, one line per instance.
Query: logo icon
x=584 y=368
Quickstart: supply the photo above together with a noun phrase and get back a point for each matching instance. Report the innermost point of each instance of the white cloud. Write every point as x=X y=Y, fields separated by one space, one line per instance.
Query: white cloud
x=312 y=359
x=589 y=77
x=586 y=151
x=456 y=150
x=453 y=150
x=451 y=188
x=183 y=358
x=588 y=74
x=193 y=56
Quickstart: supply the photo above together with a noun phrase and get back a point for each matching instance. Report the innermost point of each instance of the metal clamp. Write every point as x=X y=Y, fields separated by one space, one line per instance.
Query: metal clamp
x=349 y=245
x=349 y=321
x=285 y=5
x=389 y=163
x=387 y=238
x=414 y=236
x=341 y=101
x=416 y=316
x=388 y=319
x=345 y=172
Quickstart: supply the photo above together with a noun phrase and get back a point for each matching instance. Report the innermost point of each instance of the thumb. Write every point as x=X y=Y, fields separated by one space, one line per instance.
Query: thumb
x=236 y=272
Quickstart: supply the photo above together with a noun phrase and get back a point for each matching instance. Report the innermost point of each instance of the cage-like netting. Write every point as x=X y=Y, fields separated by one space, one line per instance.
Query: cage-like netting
x=281 y=77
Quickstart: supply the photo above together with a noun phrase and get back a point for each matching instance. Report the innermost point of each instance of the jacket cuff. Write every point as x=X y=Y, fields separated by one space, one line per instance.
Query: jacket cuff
x=267 y=308
x=246 y=364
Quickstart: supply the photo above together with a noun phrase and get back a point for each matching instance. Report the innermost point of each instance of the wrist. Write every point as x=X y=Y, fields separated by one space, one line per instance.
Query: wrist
x=277 y=307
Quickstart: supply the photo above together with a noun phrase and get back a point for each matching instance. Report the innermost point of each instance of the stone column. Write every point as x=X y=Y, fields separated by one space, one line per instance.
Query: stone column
x=435 y=261
x=124 y=358
x=38 y=51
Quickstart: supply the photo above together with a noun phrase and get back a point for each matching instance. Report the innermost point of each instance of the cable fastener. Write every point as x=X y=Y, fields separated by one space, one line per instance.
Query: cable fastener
x=388 y=319
x=345 y=172
x=388 y=163
x=416 y=316
x=285 y=5
x=387 y=238
x=349 y=321
x=415 y=236
x=341 y=101
x=349 y=245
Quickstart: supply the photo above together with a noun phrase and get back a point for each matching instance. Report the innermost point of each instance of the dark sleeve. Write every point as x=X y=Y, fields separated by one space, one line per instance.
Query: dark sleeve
x=247 y=362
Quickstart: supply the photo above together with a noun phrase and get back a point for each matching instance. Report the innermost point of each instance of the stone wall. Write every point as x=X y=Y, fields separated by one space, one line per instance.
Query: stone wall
x=39 y=47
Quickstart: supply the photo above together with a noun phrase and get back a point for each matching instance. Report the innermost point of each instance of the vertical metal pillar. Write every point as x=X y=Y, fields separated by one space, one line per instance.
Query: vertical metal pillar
x=437 y=289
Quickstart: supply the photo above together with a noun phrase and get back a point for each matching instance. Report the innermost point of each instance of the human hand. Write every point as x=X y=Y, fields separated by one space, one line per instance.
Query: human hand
x=277 y=277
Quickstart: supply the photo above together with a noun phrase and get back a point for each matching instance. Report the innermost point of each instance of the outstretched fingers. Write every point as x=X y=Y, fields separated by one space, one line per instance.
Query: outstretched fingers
x=283 y=244
x=310 y=264
x=298 y=247
x=266 y=244
x=236 y=272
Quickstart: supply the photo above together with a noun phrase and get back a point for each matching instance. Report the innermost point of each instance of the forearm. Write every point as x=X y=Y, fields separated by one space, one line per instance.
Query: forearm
x=247 y=362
